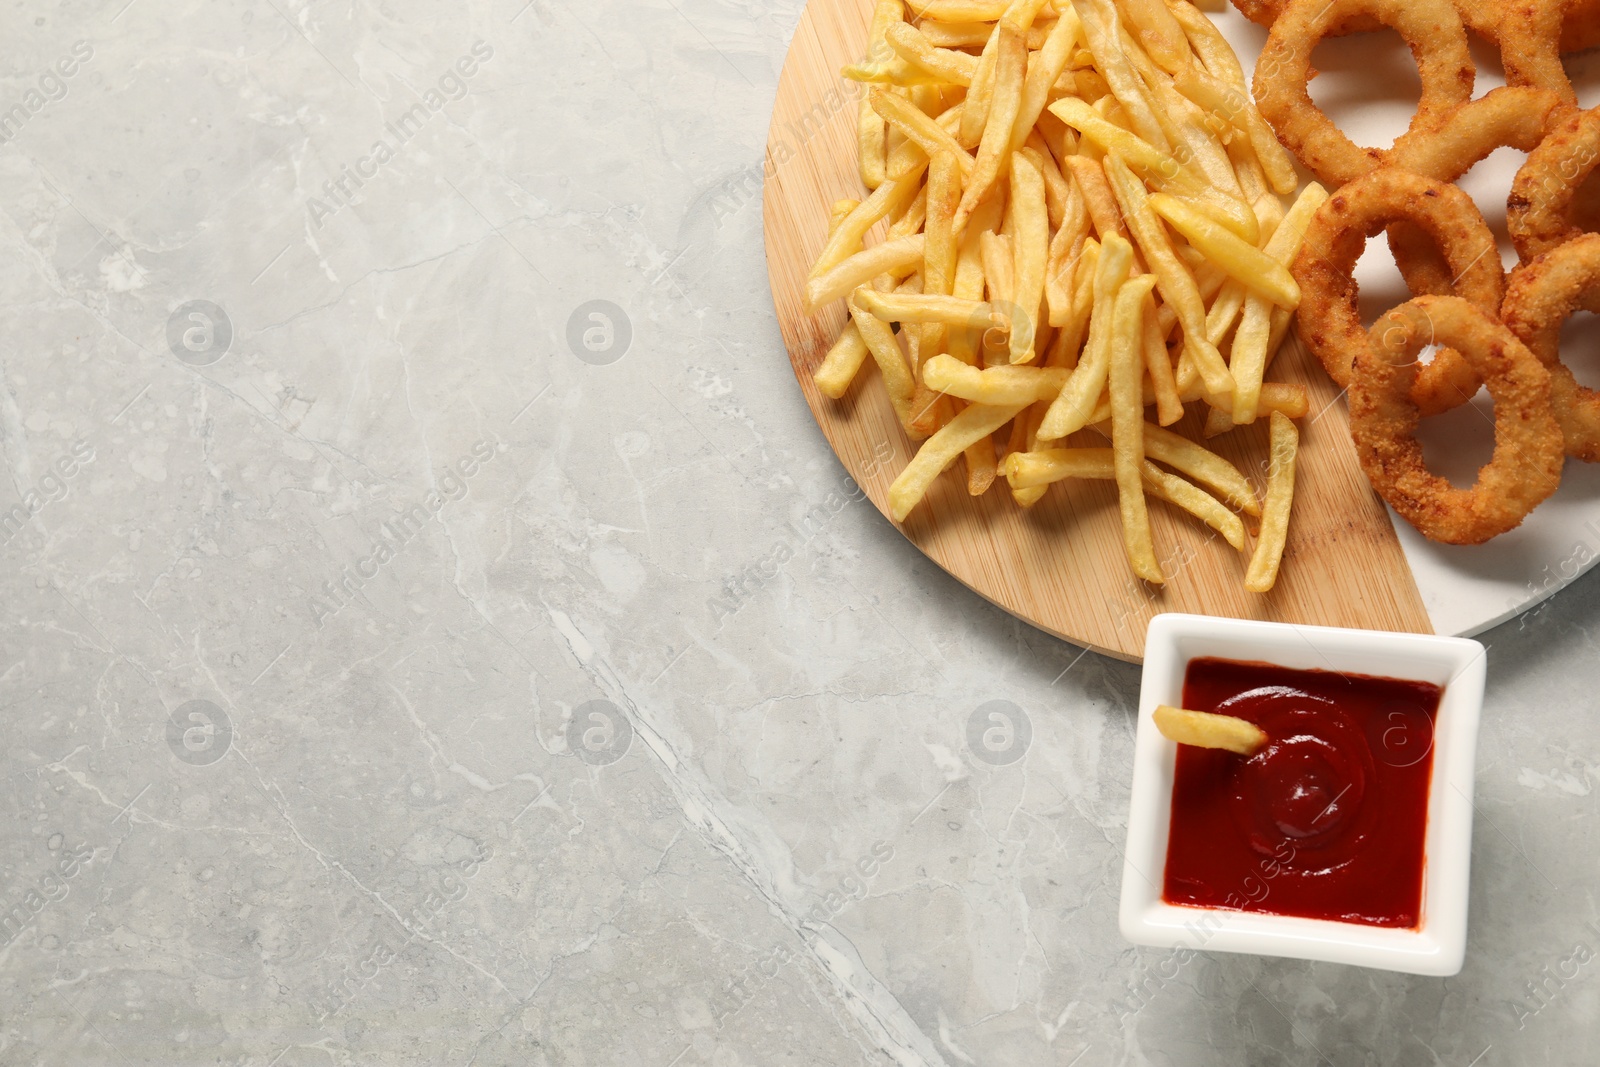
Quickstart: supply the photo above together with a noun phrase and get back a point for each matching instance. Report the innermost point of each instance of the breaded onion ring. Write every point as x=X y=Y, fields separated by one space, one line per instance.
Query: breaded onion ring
x=1526 y=466
x=1431 y=29
x=1540 y=210
x=1529 y=35
x=1580 y=26
x=1266 y=12
x=1518 y=117
x=1329 y=315
x=1539 y=298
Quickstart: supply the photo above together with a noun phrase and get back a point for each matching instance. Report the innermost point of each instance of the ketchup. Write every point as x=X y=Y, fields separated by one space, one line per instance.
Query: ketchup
x=1328 y=819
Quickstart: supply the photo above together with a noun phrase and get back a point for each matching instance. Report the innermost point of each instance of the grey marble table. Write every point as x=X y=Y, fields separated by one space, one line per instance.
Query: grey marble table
x=403 y=665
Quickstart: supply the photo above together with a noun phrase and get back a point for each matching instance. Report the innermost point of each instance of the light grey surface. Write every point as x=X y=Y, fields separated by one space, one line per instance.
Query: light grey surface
x=376 y=844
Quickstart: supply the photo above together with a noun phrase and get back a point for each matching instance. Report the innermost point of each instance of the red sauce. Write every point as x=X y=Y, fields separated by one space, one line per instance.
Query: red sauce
x=1328 y=819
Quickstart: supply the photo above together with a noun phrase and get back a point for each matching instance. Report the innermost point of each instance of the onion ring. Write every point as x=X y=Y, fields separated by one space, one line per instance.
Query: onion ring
x=1516 y=117
x=1529 y=37
x=1540 y=210
x=1330 y=320
x=1526 y=466
x=1539 y=297
x=1580 y=25
x=1438 y=42
x=1266 y=12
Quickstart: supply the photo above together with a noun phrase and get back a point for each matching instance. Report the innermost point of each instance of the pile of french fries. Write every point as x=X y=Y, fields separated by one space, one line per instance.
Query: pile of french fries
x=1084 y=222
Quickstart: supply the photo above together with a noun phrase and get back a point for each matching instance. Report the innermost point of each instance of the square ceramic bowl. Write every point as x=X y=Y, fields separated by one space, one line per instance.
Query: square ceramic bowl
x=1438 y=944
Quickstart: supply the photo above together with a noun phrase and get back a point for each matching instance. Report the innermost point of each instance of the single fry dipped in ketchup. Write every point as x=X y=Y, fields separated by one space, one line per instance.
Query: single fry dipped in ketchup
x=1202 y=729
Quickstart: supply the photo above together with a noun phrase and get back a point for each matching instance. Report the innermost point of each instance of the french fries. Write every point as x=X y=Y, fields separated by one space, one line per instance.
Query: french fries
x=1206 y=730
x=1263 y=571
x=1243 y=262
x=1127 y=424
x=1083 y=229
x=960 y=433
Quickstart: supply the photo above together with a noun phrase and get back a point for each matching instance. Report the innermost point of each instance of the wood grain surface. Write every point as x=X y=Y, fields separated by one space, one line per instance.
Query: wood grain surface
x=1060 y=565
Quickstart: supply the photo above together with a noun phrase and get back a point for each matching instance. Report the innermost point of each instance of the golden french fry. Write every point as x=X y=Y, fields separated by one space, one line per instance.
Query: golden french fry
x=937 y=453
x=1177 y=285
x=1208 y=43
x=929 y=410
x=1197 y=142
x=959 y=10
x=982 y=466
x=838 y=368
x=1111 y=59
x=1056 y=187
x=1158 y=364
x=977 y=34
x=1218 y=421
x=889 y=199
x=891 y=360
x=1257 y=193
x=1281 y=320
x=1233 y=105
x=913 y=46
x=923 y=307
x=1282 y=246
x=1026 y=437
x=1069 y=338
x=975 y=109
x=1249 y=359
x=1059 y=138
x=1155 y=164
x=1038 y=469
x=911 y=220
x=841 y=210
x=997 y=386
x=1066 y=248
x=896 y=72
x=1202 y=465
x=899 y=256
x=941 y=244
x=1071 y=410
x=1033 y=470
x=994 y=149
x=1031 y=250
x=1197 y=502
x=1203 y=729
x=1285 y=399
x=970 y=280
x=1159 y=33
x=1244 y=262
x=999 y=267
x=1252 y=344
x=1262 y=573
x=910 y=120
x=1098 y=199
x=1224 y=312
x=1156 y=167
x=1127 y=425
x=871 y=135
x=1044 y=67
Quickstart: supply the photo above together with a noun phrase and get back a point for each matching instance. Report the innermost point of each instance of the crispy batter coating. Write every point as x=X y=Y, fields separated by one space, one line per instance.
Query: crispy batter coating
x=1330 y=320
x=1526 y=466
x=1540 y=296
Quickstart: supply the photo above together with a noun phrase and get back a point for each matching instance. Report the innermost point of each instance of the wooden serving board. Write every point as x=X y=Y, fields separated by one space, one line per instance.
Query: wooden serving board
x=1060 y=565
